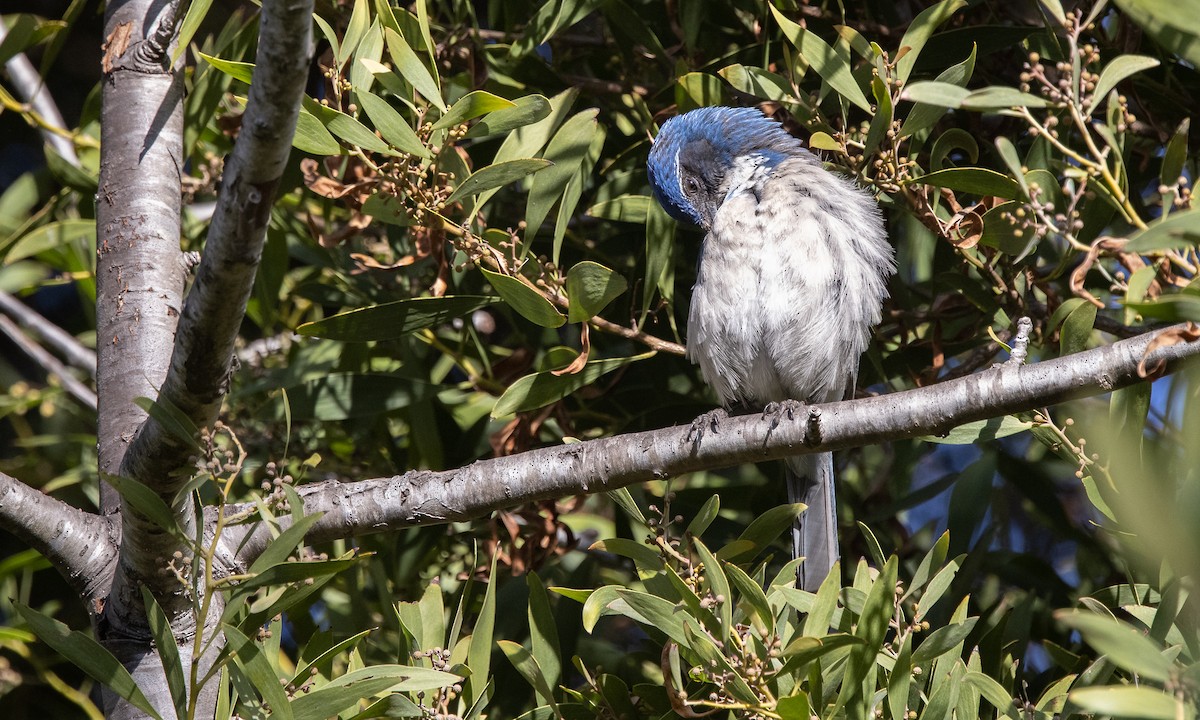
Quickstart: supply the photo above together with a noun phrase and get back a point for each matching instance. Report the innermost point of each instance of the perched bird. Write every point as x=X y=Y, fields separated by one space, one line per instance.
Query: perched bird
x=793 y=273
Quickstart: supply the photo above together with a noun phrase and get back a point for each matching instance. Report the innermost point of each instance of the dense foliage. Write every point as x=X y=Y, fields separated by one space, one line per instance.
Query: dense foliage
x=464 y=261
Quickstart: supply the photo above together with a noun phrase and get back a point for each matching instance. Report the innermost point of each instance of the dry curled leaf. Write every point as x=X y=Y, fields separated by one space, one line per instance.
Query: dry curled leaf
x=581 y=359
x=1189 y=332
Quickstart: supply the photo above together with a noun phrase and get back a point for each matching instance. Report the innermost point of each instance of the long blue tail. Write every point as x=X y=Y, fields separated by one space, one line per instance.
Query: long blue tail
x=814 y=535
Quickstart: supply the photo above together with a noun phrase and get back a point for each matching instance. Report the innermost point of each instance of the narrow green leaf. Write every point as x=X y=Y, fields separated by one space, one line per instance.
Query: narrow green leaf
x=980 y=430
x=823 y=141
x=1001 y=98
x=624 y=499
x=527 y=665
x=705 y=516
x=531 y=304
x=524 y=111
x=387 y=208
x=289 y=572
x=479 y=652
x=759 y=83
x=753 y=596
x=389 y=123
x=543 y=631
x=567 y=150
x=541 y=389
x=393 y=320
x=1121 y=643
x=1120 y=68
x=143 y=500
x=326 y=657
x=168 y=651
x=347 y=128
x=942 y=641
x=281 y=547
x=718 y=583
x=590 y=288
x=1176 y=154
x=936 y=93
x=497 y=175
x=762 y=531
x=937 y=587
x=1179 y=230
x=919 y=30
x=974 y=180
x=882 y=122
x=173 y=420
x=88 y=655
x=341 y=694
x=412 y=69
x=471 y=106
x=242 y=71
x=1077 y=329
x=312 y=137
x=625 y=208
x=1128 y=701
x=803 y=650
x=356 y=28
x=50 y=236
x=832 y=68
x=924 y=116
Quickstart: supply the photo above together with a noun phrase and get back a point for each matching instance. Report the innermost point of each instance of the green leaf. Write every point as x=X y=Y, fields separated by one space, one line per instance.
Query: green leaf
x=718 y=583
x=471 y=106
x=936 y=93
x=625 y=208
x=412 y=69
x=643 y=556
x=1128 y=701
x=803 y=650
x=347 y=128
x=752 y=594
x=942 y=641
x=1120 y=68
x=882 y=122
x=529 y=669
x=394 y=320
x=590 y=288
x=341 y=694
x=531 y=304
x=172 y=419
x=387 y=208
x=974 y=180
x=567 y=150
x=923 y=116
x=919 y=30
x=1170 y=22
x=479 y=649
x=242 y=71
x=168 y=651
x=759 y=83
x=937 y=587
x=1120 y=643
x=990 y=689
x=762 y=531
x=1179 y=230
x=1176 y=154
x=289 y=572
x=1001 y=98
x=704 y=517
x=541 y=389
x=312 y=137
x=389 y=123
x=524 y=111
x=497 y=175
x=143 y=500
x=623 y=498
x=543 y=631
x=823 y=141
x=25 y=31
x=88 y=655
x=981 y=430
x=1077 y=329
x=338 y=396
x=51 y=236
x=325 y=659
x=356 y=28
x=832 y=68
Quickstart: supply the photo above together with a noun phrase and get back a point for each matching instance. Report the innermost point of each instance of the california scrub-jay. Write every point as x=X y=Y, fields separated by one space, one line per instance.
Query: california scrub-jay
x=793 y=272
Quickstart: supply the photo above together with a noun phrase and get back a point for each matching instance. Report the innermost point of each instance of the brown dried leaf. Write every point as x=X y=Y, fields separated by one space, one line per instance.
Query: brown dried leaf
x=580 y=359
x=1190 y=332
x=115 y=45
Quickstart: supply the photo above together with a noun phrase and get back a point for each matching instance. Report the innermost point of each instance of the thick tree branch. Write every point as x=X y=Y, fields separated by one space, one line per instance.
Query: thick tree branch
x=201 y=363
x=82 y=546
x=52 y=335
x=425 y=498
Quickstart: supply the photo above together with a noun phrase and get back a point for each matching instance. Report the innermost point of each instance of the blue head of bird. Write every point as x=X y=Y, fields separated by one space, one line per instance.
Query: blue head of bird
x=695 y=154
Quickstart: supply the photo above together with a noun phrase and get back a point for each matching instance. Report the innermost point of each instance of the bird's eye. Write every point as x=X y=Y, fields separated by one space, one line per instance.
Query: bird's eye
x=691 y=185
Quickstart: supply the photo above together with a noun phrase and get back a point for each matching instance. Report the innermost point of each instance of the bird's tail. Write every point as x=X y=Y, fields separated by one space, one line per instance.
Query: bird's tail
x=814 y=535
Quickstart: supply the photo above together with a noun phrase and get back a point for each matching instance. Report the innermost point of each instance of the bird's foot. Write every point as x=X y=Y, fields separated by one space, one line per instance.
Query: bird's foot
x=708 y=422
x=776 y=411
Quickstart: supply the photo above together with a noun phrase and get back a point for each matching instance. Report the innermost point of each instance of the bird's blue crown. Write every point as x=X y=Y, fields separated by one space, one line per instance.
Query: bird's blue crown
x=730 y=132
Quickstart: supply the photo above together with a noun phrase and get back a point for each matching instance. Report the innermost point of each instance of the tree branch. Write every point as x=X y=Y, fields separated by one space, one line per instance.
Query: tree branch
x=81 y=545
x=49 y=363
x=426 y=498
x=32 y=88
x=51 y=334
x=201 y=362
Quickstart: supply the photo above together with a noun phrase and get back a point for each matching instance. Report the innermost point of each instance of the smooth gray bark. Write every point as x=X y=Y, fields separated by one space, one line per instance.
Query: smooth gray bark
x=428 y=498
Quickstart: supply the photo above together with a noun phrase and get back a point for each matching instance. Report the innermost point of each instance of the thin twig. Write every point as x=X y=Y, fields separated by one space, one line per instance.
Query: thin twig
x=49 y=363
x=33 y=89
x=52 y=335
